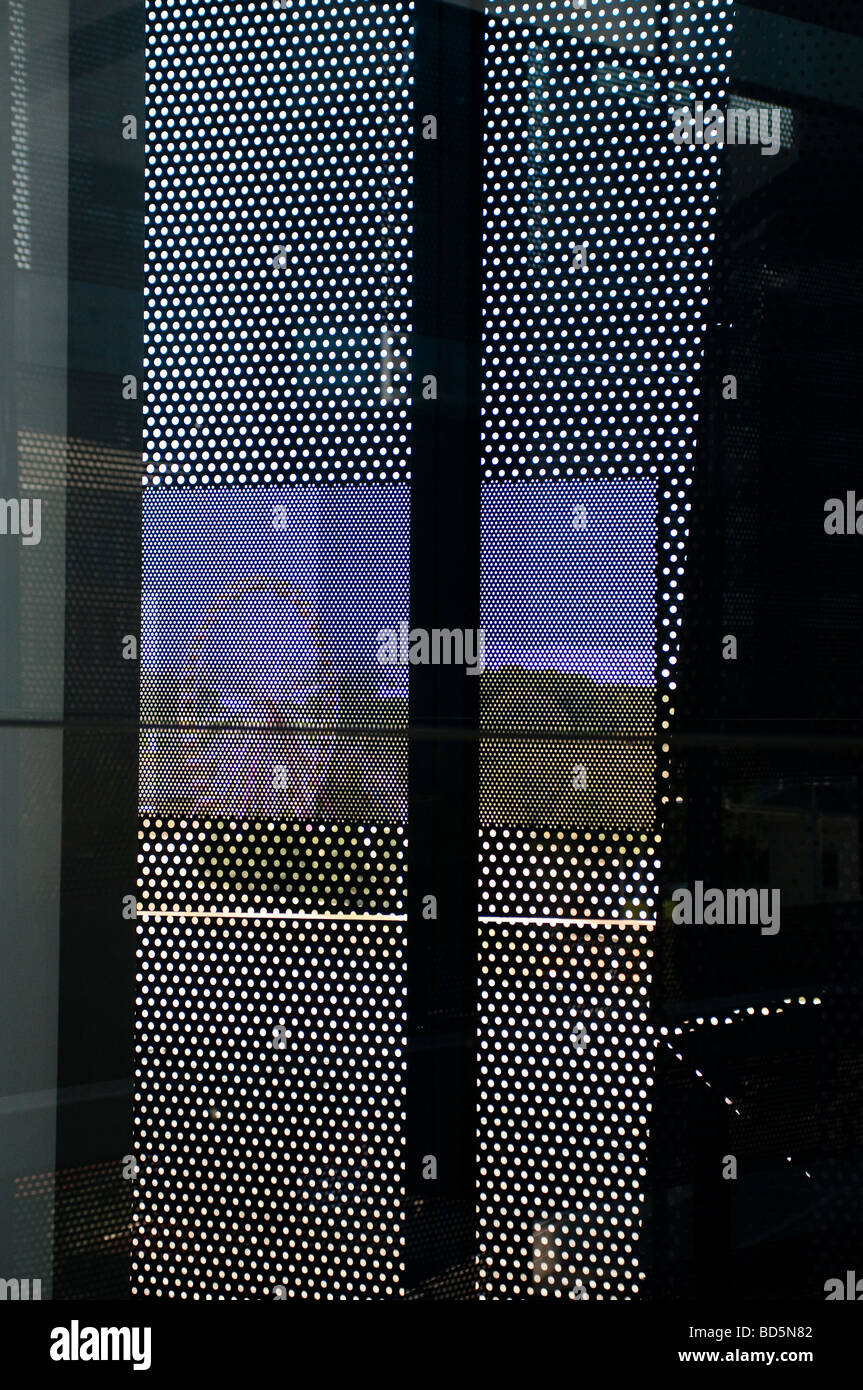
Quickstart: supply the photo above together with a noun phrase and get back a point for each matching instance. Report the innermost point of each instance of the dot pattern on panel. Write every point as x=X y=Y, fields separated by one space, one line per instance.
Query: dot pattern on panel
x=86 y=1217
x=568 y=602
x=53 y=461
x=625 y=24
x=21 y=206
x=278 y=159
x=565 y=1054
x=269 y=1109
x=568 y=784
x=261 y=690
x=546 y=873
x=597 y=247
x=32 y=1236
x=596 y=261
x=242 y=867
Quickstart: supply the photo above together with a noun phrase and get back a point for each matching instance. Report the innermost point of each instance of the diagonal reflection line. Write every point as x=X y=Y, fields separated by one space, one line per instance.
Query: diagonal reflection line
x=700 y=1074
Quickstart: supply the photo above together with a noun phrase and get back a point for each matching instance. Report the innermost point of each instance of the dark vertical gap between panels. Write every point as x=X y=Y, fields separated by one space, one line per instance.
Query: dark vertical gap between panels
x=101 y=687
x=10 y=558
x=445 y=558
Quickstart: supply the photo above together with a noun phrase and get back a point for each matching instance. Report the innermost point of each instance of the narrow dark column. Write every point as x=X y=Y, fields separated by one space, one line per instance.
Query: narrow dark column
x=10 y=556
x=103 y=611
x=444 y=699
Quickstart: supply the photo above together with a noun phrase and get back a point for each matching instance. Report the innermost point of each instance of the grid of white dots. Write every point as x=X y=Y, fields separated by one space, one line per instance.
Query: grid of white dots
x=268 y=1109
x=591 y=367
x=21 y=210
x=554 y=594
x=214 y=262
x=565 y=1060
x=245 y=867
x=278 y=148
x=278 y=159
x=596 y=262
x=556 y=874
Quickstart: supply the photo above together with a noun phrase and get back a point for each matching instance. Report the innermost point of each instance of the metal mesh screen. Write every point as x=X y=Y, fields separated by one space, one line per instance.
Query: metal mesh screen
x=269 y=1089
x=597 y=252
x=262 y=692
x=267 y=725
x=278 y=229
x=269 y=1099
x=568 y=605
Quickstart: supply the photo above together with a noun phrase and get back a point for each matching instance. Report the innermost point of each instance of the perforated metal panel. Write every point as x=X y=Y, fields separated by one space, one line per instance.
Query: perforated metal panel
x=269 y=1097
x=278 y=223
x=242 y=866
x=597 y=252
x=556 y=874
x=597 y=240
x=270 y=1084
x=262 y=691
x=568 y=611
x=565 y=1073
